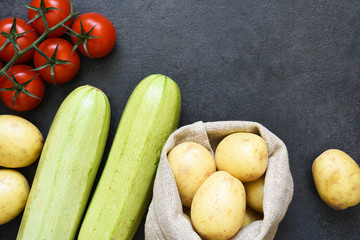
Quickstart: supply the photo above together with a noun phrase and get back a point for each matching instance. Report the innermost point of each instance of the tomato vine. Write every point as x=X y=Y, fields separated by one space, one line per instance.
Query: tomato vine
x=19 y=53
x=58 y=62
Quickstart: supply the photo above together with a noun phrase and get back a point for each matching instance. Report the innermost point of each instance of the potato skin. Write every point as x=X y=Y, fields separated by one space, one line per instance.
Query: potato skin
x=251 y=216
x=21 y=142
x=191 y=163
x=243 y=155
x=255 y=194
x=14 y=190
x=337 y=179
x=218 y=207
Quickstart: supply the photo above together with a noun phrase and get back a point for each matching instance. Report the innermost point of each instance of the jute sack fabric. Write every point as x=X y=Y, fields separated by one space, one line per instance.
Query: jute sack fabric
x=165 y=219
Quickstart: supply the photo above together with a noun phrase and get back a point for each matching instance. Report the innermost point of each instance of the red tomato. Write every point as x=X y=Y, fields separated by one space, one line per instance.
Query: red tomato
x=53 y=16
x=23 y=102
x=104 y=30
x=62 y=72
x=23 y=41
x=1 y=66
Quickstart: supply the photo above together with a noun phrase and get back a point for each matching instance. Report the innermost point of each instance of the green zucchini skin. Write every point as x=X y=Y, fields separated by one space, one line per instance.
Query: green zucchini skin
x=67 y=167
x=124 y=190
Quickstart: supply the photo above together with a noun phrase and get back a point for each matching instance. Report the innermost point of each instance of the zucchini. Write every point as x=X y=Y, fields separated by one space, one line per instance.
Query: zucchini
x=125 y=187
x=67 y=166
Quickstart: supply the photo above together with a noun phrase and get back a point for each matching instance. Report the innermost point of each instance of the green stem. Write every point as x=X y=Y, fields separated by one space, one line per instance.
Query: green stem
x=35 y=43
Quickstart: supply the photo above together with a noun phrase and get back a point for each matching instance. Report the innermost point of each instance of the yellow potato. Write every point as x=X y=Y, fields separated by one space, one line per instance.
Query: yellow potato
x=251 y=216
x=218 y=208
x=20 y=142
x=337 y=179
x=186 y=212
x=243 y=155
x=14 y=190
x=191 y=164
x=255 y=194
x=246 y=221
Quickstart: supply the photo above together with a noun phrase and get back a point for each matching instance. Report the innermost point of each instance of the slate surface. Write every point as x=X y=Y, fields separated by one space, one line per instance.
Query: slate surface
x=293 y=66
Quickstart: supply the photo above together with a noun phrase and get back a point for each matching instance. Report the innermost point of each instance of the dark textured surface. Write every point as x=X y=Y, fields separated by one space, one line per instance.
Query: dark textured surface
x=293 y=66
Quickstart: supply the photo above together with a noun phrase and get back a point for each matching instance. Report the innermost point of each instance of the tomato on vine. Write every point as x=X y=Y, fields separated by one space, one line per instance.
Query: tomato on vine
x=93 y=34
x=16 y=35
x=24 y=91
x=54 y=11
x=55 y=61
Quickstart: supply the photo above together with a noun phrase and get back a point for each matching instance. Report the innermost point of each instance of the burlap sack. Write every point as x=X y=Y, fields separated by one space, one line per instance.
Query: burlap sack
x=165 y=219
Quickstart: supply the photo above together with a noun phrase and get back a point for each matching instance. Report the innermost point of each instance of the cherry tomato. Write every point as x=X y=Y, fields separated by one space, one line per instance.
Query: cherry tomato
x=63 y=72
x=104 y=30
x=23 y=102
x=22 y=41
x=53 y=16
x=1 y=66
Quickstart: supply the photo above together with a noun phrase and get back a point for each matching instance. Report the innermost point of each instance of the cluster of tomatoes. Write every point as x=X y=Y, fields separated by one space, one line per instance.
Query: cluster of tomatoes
x=55 y=59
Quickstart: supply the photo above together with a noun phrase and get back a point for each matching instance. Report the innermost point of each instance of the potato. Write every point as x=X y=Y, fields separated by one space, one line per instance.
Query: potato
x=14 y=190
x=218 y=207
x=20 y=142
x=243 y=155
x=186 y=212
x=191 y=164
x=337 y=179
x=255 y=194
x=251 y=216
x=247 y=220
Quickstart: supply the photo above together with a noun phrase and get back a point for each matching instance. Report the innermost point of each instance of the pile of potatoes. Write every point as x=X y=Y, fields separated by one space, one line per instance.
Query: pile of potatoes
x=21 y=143
x=224 y=193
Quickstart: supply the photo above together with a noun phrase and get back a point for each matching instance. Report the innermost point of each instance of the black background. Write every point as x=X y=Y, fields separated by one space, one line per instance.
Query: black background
x=293 y=66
